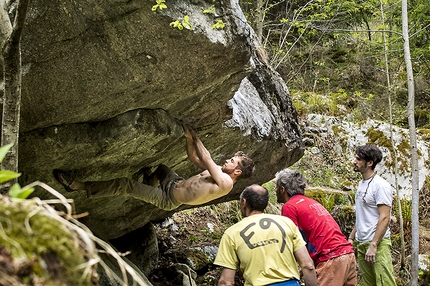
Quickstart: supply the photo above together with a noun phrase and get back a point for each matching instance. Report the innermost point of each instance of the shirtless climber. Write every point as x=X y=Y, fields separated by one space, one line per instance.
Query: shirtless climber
x=164 y=188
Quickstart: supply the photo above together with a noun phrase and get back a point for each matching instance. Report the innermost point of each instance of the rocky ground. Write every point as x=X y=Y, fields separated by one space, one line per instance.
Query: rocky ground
x=199 y=228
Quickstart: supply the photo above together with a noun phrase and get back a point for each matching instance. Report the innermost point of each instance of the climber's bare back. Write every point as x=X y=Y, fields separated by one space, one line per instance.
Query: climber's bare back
x=201 y=188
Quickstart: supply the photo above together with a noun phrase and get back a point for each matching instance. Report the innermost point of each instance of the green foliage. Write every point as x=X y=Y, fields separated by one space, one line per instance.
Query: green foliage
x=160 y=5
x=419 y=19
x=424 y=275
x=232 y=209
x=406 y=205
x=20 y=193
x=209 y=280
x=211 y=10
x=335 y=103
x=219 y=25
x=328 y=199
x=271 y=188
x=4 y=150
x=192 y=238
x=425 y=133
x=351 y=196
x=333 y=51
x=296 y=24
x=6 y=175
x=180 y=25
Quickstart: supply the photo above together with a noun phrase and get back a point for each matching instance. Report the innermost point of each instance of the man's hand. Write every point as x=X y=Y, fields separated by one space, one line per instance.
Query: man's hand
x=381 y=228
x=195 y=148
x=371 y=254
x=307 y=265
x=187 y=131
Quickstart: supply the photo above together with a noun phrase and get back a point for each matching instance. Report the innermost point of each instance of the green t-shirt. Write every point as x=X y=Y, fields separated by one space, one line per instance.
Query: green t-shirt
x=262 y=246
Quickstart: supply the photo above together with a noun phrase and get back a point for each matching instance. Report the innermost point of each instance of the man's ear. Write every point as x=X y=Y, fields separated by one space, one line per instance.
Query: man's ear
x=237 y=172
x=370 y=163
x=242 y=202
x=282 y=191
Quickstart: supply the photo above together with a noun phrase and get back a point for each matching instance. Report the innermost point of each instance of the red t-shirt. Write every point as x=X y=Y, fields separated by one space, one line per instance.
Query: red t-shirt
x=324 y=238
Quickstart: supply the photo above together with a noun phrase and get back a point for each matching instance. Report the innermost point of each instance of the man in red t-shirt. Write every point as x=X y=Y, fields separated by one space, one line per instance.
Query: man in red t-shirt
x=331 y=252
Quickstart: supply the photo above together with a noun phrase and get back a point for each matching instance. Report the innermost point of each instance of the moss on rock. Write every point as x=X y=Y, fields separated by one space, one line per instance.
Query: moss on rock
x=345 y=217
x=39 y=248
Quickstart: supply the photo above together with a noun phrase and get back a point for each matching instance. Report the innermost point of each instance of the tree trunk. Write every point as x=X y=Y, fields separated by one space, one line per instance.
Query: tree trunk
x=259 y=20
x=413 y=139
x=396 y=166
x=12 y=88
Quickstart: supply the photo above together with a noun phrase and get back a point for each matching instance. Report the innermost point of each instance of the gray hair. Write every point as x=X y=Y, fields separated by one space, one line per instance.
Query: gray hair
x=293 y=182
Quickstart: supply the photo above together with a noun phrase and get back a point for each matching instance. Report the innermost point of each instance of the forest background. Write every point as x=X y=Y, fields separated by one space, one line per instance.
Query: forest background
x=346 y=59
x=342 y=59
x=331 y=54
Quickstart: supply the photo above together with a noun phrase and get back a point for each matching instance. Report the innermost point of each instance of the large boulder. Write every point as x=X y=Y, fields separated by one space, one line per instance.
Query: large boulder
x=348 y=135
x=105 y=84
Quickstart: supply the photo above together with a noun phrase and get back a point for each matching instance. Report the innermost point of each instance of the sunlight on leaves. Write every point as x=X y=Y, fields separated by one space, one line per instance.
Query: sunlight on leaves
x=211 y=10
x=4 y=150
x=177 y=24
x=180 y=25
x=6 y=175
x=160 y=5
x=218 y=25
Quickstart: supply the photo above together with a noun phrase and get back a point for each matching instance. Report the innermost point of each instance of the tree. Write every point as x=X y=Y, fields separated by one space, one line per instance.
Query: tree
x=413 y=139
x=396 y=168
x=11 y=55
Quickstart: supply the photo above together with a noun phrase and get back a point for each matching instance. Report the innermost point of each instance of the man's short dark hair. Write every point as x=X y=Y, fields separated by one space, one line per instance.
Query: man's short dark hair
x=293 y=182
x=245 y=164
x=256 y=196
x=369 y=153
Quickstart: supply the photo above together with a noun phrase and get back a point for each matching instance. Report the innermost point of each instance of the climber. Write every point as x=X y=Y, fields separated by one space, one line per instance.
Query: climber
x=164 y=188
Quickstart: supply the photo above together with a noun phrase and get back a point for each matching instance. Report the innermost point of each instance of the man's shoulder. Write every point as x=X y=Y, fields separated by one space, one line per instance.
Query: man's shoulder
x=300 y=199
x=381 y=182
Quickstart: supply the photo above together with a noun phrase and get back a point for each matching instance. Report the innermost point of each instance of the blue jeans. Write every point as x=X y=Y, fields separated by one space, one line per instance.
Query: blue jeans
x=292 y=282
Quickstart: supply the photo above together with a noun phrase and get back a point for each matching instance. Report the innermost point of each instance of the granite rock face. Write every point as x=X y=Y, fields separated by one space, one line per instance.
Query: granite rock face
x=106 y=83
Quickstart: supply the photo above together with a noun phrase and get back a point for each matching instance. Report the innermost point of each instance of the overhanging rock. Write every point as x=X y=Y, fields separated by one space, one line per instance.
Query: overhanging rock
x=105 y=84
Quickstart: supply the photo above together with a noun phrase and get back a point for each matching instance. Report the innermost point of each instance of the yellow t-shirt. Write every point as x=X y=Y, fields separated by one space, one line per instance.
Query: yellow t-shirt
x=262 y=246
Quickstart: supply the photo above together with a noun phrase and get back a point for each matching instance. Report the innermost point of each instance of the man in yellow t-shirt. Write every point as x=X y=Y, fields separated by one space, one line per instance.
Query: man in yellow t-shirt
x=265 y=247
